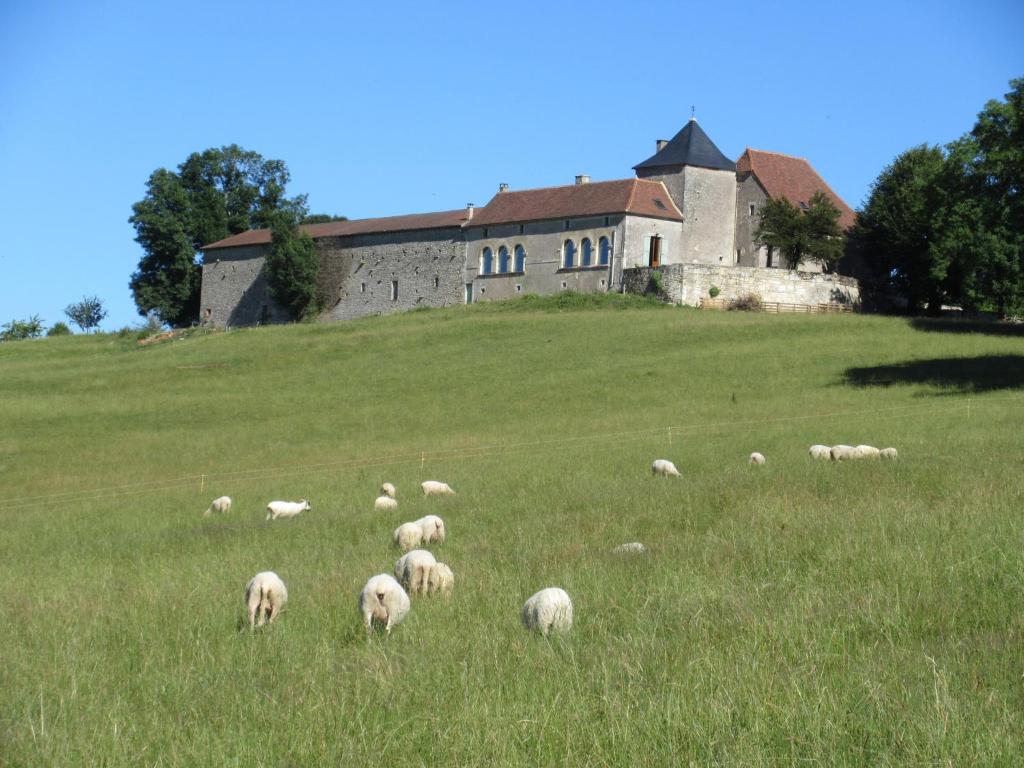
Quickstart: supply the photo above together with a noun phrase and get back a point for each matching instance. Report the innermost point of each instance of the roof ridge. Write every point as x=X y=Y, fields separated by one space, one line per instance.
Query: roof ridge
x=779 y=154
x=565 y=186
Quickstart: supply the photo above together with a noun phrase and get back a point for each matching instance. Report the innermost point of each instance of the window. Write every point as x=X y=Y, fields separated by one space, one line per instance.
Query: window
x=603 y=251
x=654 y=254
x=586 y=253
x=567 y=224
x=607 y=219
x=752 y=209
x=485 y=231
x=394 y=290
x=362 y=287
x=568 y=254
x=437 y=281
x=486 y=262
x=522 y=229
x=659 y=205
x=503 y=259
x=768 y=262
x=469 y=293
x=520 y=263
x=519 y=288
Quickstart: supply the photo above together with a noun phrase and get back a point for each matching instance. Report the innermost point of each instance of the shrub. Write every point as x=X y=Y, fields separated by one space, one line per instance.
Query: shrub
x=87 y=313
x=713 y=291
x=16 y=330
x=657 y=283
x=748 y=302
x=59 y=329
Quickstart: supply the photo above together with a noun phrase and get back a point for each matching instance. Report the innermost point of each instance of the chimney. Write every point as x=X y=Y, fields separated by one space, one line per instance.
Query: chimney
x=583 y=179
x=660 y=144
x=503 y=187
x=469 y=211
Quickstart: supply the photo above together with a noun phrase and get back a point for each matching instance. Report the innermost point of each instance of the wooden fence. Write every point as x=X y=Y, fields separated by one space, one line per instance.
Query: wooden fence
x=778 y=307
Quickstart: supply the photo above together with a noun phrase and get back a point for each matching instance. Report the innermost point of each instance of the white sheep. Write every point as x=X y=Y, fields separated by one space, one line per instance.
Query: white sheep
x=888 y=453
x=383 y=600
x=842 y=452
x=440 y=579
x=820 y=452
x=550 y=609
x=222 y=505
x=865 y=452
x=632 y=548
x=276 y=509
x=387 y=489
x=664 y=467
x=432 y=528
x=413 y=570
x=408 y=536
x=436 y=488
x=385 y=503
x=757 y=459
x=265 y=594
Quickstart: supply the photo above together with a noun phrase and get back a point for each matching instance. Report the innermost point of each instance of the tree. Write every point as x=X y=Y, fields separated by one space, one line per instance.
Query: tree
x=291 y=266
x=214 y=194
x=87 y=313
x=801 y=235
x=322 y=218
x=18 y=330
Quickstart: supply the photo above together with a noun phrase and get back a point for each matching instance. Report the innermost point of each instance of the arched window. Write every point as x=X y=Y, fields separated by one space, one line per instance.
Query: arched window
x=520 y=265
x=586 y=253
x=568 y=254
x=503 y=259
x=486 y=262
x=603 y=251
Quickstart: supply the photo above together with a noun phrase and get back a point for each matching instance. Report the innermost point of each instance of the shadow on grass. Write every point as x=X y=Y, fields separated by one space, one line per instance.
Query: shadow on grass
x=962 y=374
x=986 y=327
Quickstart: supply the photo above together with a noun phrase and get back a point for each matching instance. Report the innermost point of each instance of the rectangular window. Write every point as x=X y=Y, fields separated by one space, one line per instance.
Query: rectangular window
x=469 y=293
x=522 y=229
x=437 y=281
x=394 y=290
x=654 y=255
x=752 y=209
x=607 y=220
x=362 y=287
x=567 y=224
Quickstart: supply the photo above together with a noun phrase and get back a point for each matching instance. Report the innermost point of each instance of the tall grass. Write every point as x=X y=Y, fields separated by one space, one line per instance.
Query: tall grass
x=840 y=614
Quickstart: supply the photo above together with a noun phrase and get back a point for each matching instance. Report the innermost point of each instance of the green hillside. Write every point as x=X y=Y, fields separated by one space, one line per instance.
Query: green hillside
x=867 y=613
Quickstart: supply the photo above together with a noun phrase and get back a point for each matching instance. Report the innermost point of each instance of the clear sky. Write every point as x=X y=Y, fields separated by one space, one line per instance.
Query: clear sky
x=387 y=108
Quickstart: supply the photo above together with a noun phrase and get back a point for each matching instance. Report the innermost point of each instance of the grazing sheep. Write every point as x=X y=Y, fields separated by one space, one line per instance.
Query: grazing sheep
x=387 y=489
x=408 y=536
x=865 y=452
x=820 y=452
x=665 y=468
x=223 y=504
x=383 y=600
x=436 y=488
x=440 y=579
x=265 y=594
x=413 y=570
x=276 y=509
x=432 y=528
x=757 y=458
x=550 y=609
x=842 y=452
x=632 y=548
x=888 y=453
x=385 y=502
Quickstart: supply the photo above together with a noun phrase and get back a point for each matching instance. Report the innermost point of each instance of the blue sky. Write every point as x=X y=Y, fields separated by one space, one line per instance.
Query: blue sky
x=382 y=109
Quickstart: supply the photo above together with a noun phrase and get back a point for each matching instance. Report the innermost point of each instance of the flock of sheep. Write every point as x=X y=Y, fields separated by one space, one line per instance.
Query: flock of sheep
x=385 y=598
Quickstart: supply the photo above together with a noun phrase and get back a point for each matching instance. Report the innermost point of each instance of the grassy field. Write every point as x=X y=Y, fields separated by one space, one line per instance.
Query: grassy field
x=798 y=613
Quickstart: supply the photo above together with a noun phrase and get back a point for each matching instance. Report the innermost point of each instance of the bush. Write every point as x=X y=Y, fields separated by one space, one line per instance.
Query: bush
x=59 y=329
x=16 y=330
x=657 y=283
x=713 y=291
x=749 y=302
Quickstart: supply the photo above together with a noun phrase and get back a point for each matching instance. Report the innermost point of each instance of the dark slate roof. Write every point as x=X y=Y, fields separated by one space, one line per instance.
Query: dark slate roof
x=691 y=146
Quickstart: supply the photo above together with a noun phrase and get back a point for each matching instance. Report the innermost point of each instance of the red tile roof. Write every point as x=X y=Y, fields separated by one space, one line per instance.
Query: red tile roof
x=353 y=227
x=792 y=178
x=638 y=196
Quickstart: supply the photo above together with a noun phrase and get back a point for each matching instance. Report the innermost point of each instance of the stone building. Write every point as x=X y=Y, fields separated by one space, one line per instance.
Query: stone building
x=688 y=205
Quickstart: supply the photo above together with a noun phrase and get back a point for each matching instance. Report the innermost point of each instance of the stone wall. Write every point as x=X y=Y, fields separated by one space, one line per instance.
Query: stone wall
x=235 y=290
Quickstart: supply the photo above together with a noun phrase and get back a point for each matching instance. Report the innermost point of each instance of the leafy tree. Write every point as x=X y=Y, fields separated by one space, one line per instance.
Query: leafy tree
x=18 y=330
x=813 y=233
x=87 y=313
x=214 y=194
x=291 y=266
x=59 y=329
x=322 y=218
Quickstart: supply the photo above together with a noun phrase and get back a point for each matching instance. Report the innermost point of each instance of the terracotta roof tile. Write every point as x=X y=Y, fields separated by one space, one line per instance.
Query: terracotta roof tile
x=354 y=227
x=792 y=178
x=638 y=196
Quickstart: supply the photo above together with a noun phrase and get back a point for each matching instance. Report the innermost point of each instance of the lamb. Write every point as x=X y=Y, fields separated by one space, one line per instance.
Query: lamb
x=820 y=452
x=550 y=609
x=432 y=528
x=632 y=548
x=757 y=459
x=865 y=452
x=413 y=570
x=276 y=509
x=383 y=600
x=436 y=488
x=222 y=505
x=888 y=453
x=408 y=536
x=842 y=452
x=665 y=468
x=385 y=503
x=266 y=594
x=440 y=579
x=387 y=489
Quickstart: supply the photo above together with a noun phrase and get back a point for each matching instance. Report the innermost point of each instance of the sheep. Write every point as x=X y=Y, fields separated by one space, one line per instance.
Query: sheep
x=633 y=547
x=222 y=504
x=664 y=467
x=549 y=609
x=865 y=452
x=888 y=453
x=266 y=594
x=757 y=459
x=436 y=488
x=276 y=509
x=408 y=536
x=842 y=452
x=383 y=600
x=820 y=452
x=432 y=528
x=385 y=503
x=387 y=489
x=413 y=570
x=440 y=579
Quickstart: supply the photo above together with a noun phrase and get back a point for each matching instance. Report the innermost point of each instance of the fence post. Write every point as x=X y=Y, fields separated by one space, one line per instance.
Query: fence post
x=202 y=483
x=423 y=458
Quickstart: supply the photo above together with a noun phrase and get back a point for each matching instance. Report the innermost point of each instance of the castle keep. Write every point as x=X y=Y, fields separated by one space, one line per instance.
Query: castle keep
x=689 y=208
